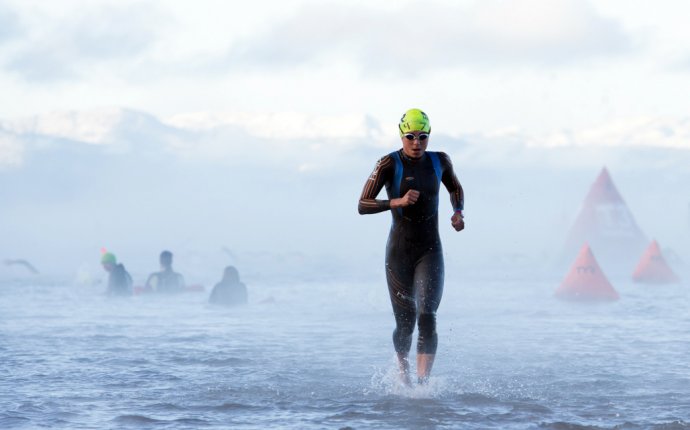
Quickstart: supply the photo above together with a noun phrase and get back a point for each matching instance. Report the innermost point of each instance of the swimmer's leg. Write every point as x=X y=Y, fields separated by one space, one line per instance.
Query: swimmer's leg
x=404 y=309
x=428 y=277
x=402 y=341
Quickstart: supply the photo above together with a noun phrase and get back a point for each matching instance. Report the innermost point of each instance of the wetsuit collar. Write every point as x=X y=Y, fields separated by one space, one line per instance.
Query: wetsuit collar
x=410 y=159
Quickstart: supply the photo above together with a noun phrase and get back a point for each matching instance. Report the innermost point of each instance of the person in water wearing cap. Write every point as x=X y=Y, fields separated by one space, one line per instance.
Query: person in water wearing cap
x=167 y=280
x=119 y=281
x=229 y=291
x=414 y=257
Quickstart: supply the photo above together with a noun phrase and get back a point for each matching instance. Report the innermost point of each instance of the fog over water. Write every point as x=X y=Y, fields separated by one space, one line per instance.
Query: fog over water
x=142 y=185
x=313 y=347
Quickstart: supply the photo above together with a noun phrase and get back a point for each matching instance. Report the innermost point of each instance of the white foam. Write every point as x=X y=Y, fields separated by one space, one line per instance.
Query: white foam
x=386 y=381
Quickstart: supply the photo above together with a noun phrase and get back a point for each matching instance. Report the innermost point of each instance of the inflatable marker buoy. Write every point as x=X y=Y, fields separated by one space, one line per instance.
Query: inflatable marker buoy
x=652 y=268
x=586 y=281
x=608 y=225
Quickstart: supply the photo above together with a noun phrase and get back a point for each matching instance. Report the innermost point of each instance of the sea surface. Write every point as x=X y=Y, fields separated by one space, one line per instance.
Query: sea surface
x=318 y=355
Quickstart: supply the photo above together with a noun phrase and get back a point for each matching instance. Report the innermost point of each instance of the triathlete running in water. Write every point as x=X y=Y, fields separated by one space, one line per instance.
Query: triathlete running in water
x=414 y=258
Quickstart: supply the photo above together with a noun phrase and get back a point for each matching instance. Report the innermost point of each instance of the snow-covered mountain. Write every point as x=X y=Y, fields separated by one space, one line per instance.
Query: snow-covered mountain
x=284 y=125
x=313 y=142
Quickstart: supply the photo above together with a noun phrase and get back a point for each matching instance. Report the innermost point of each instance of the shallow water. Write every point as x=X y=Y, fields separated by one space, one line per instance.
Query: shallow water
x=320 y=356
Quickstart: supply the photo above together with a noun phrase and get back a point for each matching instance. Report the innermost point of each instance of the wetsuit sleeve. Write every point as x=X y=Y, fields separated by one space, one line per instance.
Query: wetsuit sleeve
x=382 y=173
x=128 y=280
x=457 y=196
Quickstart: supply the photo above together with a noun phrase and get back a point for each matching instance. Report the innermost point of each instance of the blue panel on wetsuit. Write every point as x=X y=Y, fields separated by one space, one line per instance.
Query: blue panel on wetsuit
x=437 y=164
x=397 y=178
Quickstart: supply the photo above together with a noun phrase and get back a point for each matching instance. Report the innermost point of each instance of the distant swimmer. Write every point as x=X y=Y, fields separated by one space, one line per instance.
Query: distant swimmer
x=414 y=257
x=167 y=280
x=119 y=281
x=229 y=291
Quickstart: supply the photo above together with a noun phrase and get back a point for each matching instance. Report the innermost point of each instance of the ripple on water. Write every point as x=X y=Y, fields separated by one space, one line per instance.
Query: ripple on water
x=13 y=419
x=135 y=419
x=232 y=407
x=502 y=366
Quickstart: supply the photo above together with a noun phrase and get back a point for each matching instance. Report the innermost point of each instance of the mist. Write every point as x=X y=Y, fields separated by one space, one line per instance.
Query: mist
x=286 y=208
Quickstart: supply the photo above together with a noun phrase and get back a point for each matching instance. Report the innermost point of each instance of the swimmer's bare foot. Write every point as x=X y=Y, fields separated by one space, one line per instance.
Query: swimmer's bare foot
x=404 y=370
x=405 y=379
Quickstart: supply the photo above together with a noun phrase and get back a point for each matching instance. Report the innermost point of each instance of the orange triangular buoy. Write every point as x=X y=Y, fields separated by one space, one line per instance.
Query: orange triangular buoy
x=586 y=281
x=652 y=268
x=608 y=225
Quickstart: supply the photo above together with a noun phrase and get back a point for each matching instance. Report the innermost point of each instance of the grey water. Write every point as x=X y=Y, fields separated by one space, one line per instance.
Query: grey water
x=318 y=355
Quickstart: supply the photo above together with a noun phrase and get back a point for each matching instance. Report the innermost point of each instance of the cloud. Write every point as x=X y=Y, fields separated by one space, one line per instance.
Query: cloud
x=423 y=35
x=681 y=65
x=542 y=31
x=96 y=126
x=651 y=132
x=284 y=125
x=9 y=26
x=92 y=37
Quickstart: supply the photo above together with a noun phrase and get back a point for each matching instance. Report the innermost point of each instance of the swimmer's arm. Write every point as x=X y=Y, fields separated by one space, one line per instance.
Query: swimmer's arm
x=368 y=204
x=457 y=196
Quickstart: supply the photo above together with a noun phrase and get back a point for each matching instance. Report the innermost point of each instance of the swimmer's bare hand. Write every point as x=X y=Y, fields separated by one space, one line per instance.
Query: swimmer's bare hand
x=457 y=221
x=408 y=199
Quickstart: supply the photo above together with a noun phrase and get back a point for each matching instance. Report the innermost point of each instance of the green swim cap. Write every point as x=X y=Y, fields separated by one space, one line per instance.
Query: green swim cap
x=108 y=257
x=414 y=120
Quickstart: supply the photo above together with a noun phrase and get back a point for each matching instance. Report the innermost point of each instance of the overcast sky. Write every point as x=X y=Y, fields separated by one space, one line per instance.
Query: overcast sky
x=474 y=66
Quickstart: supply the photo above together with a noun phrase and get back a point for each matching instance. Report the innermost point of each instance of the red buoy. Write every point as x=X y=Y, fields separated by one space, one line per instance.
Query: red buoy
x=608 y=225
x=586 y=281
x=652 y=268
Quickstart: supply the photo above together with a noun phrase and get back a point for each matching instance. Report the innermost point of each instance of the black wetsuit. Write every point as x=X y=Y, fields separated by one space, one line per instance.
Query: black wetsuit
x=229 y=294
x=414 y=257
x=119 y=281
